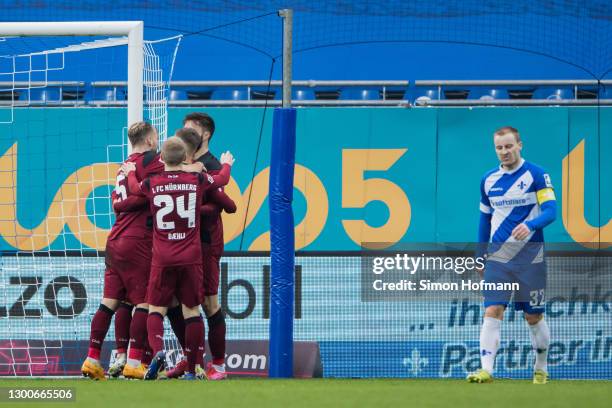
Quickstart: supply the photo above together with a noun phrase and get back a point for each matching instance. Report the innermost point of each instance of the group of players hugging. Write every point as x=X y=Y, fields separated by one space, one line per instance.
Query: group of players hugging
x=162 y=256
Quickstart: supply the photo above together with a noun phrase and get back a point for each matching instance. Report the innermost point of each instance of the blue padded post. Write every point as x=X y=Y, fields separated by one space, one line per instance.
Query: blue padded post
x=282 y=241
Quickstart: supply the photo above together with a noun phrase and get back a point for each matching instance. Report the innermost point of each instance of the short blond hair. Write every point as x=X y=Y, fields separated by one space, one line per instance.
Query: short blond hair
x=138 y=132
x=504 y=130
x=173 y=152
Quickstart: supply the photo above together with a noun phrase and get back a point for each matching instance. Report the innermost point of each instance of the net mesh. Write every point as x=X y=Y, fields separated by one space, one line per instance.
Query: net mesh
x=55 y=211
x=159 y=58
x=576 y=32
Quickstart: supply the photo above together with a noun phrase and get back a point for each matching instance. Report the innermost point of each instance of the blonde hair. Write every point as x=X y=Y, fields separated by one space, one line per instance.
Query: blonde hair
x=137 y=132
x=508 y=129
x=173 y=152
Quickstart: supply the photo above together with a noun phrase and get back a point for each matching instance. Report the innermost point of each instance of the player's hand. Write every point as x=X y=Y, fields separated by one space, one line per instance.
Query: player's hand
x=520 y=232
x=227 y=158
x=200 y=166
x=128 y=167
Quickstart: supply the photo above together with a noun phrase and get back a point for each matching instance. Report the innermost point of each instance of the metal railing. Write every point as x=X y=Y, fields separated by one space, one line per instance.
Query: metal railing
x=400 y=93
x=277 y=83
x=531 y=86
x=7 y=85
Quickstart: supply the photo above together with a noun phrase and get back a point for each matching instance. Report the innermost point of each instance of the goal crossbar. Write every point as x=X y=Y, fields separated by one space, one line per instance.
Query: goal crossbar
x=134 y=30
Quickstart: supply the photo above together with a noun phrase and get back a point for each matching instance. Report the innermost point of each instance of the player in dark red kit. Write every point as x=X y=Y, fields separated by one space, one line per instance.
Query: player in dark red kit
x=215 y=199
x=175 y=198
x=128 y=257
x=212 y=249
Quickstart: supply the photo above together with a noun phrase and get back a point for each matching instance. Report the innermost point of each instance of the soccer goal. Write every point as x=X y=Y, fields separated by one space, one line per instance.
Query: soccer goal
x=68 y=92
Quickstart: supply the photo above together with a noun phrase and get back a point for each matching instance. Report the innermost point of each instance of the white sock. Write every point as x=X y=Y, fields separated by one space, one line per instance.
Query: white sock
x=93 y=360
x=540 y=341
x=490 y=334
x=120 y=356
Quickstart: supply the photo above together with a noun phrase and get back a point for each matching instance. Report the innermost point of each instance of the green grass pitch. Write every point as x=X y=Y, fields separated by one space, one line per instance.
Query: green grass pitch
x=320 y=393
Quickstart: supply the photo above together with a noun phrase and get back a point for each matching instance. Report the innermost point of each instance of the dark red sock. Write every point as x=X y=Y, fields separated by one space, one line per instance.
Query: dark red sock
x=155 y=331
x=194 y=331
x=99 y=327
x=123 y=318
x=201 y=350
x=177 y=322
x=147 y=355
x=216 y=337
x=138 y=333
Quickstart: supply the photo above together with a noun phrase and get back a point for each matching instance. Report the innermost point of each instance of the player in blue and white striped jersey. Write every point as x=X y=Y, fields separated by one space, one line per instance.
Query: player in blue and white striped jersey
x=517 y=202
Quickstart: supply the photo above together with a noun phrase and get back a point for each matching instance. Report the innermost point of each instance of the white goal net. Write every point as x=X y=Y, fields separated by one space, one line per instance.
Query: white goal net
x=66 y=99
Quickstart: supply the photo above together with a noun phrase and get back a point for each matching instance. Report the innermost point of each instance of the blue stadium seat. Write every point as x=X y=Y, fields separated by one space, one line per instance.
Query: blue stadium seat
x=553 y=93
x=178 y=95
x=422 y=95
x=303 y=94
x=360 y=94
x=46 y=95
x=110 y=94
x=605 y=92
x=488 y=93
x=103 y=94
x=230 y=94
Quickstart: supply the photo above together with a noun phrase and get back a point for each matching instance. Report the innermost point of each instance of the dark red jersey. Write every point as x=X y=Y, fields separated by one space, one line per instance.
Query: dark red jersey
x=133 y=215
x=211 y=232
x=215 y=199
x=175 y=198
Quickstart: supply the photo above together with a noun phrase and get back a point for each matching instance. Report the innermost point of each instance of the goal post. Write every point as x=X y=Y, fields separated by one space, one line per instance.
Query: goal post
x=65 y=89
x=134 y=30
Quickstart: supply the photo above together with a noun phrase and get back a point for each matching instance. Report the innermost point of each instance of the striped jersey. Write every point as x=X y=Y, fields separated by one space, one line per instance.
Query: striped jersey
x=513 y=197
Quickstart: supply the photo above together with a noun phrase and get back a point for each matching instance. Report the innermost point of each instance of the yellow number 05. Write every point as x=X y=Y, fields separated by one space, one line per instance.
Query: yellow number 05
x=357 y=192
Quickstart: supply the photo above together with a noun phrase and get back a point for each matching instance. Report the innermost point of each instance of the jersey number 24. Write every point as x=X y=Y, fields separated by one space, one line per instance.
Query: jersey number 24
x=167 y=205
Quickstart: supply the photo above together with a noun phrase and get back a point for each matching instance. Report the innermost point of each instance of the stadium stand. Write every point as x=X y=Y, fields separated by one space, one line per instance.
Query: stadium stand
x=315 y=92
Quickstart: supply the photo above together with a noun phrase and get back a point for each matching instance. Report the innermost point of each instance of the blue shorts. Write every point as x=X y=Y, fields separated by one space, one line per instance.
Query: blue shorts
x=531 y=278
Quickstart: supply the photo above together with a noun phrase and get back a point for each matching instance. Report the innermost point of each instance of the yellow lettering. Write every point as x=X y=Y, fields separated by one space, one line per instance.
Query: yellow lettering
x=573 y=203
x=68 y=207
x=306 y=231
x=357 y=192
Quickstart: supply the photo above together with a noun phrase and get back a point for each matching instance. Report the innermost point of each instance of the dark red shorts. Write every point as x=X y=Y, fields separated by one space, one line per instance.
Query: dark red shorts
x=128 y=262
x=183 y=281
x=211 y=256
